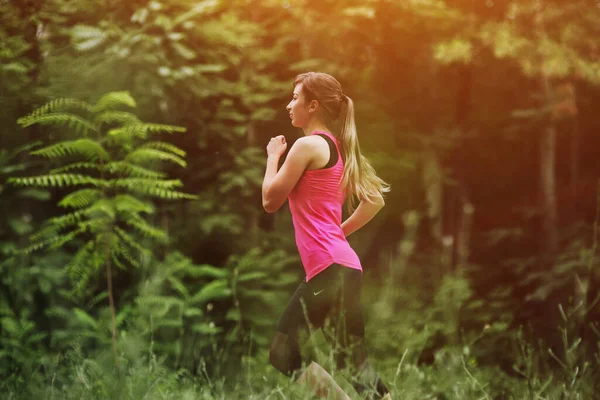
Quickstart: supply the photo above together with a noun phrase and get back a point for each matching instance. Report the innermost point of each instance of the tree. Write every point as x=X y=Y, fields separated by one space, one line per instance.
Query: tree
x=116 y=167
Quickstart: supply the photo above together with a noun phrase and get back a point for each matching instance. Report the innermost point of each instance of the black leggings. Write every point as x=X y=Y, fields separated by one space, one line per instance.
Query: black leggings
x=334 y=292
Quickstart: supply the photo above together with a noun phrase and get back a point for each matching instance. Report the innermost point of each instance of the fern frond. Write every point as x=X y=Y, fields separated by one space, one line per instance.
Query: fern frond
x=179 y=287
x=90 y=149
x=143 y=227
x=132 y=242
x=57 y=311
x=116 y=117
x=216 y=289
x=113 y=100
x=85 y=318
x=154 y=188
x=118 y=262
x=58 y=180
x=207 y=271
x=122 y=167
x=125 y=203
x=66 y=220
x=144 y=184
x=142 y=130
x=54 y=106
x=64 y=239
x=121 y=251
x=96 y=225
x=167 y=194
x=84 y=265
x=46 y=232
x=80 y=198
x=96 y=299
x=164 y=146
x=77 y=165
x=51 y=242
x=101 y=207
x=23 y=148
x=70 y=120
x=142 y=155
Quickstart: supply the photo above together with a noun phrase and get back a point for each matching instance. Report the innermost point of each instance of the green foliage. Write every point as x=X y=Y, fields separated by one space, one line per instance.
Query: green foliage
x=114 y=198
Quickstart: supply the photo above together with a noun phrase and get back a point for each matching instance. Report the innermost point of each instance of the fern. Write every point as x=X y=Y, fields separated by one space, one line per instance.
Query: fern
x=107 y=214
x=54 y=106
x=127 y=239
x=65 y=220
x=116 y=117
x=142 y=130
x=128 y=169
x=217 y=289
x=77 y=165
x=112 y=101
x=128 y=204
x=90 y=149
x=144 y=155
x=62 y=119
x=145 y=184
x=80 y=199
x=58 y=180
x=144 y=228
x=164 y=146
x=122 y=252
x=166 y=194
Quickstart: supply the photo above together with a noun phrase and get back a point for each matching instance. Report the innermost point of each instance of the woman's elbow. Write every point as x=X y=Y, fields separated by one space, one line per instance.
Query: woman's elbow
x=270 y=207
x=377 y=200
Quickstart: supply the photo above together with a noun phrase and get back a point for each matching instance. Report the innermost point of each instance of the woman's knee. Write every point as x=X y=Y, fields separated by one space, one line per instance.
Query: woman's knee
x=284 y=354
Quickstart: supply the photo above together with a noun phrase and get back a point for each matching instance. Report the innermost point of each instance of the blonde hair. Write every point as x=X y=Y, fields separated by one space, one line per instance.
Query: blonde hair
x=359 y=177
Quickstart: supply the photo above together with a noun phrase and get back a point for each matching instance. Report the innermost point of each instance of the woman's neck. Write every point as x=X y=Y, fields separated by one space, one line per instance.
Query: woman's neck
x=314 y=125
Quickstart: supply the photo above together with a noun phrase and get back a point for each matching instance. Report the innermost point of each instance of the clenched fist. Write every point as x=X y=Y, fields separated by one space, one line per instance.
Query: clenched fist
x=276 y=146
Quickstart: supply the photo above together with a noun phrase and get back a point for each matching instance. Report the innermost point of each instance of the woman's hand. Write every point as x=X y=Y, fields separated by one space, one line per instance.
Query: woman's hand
x=276 y=146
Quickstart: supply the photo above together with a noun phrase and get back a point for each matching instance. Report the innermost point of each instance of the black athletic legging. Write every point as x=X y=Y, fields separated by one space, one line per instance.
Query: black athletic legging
x=334 y=292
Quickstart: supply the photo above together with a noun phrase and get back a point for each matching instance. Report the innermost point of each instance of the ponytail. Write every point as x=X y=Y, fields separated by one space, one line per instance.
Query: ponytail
x=359 y=178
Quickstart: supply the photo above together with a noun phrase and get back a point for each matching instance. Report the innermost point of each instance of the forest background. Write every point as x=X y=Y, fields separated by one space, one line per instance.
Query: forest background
x=137 y=261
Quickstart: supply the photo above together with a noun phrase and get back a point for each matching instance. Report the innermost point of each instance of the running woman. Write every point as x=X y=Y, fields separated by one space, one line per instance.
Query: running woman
x=322 y=169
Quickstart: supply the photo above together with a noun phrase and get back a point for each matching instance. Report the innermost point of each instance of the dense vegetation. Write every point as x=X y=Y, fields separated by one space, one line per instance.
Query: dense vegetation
x=136 y=260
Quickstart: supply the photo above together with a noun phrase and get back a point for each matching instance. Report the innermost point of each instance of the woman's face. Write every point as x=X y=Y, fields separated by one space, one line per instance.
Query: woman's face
x=299 y=108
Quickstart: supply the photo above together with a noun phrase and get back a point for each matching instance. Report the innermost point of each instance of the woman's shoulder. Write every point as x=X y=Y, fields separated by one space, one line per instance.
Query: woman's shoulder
x=311 y=142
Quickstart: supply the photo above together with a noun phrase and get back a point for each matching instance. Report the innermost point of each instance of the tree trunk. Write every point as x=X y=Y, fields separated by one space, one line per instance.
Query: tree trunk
x=111 y=303
x=548 y=182
x=253 y=221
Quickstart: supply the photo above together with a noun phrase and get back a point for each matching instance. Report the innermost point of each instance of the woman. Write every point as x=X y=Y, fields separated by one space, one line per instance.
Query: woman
x=322 y=169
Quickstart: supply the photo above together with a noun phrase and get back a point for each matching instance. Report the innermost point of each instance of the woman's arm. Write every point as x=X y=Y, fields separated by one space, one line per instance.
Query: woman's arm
x=365 y=211
x=277 y=185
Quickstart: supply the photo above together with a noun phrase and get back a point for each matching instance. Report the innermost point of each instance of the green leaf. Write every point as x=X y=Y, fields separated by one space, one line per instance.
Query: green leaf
x=143 y=155
x=80 y=198
x=113 y=100
x=217 y=289
x=70 y=120
x=90 y=149
x=207 y=271
x=206 y=328
x=183 y=51
x=87 y=37
x=252 y=276
x=85 y=318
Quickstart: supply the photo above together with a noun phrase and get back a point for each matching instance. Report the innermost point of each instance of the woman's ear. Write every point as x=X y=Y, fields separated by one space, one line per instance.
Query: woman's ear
x=313 y=106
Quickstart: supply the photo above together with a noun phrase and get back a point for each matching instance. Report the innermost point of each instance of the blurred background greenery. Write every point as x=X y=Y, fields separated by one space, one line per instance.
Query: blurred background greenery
x=137 y=262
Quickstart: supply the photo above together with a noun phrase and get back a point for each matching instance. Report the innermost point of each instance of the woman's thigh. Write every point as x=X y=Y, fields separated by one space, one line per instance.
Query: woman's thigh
x=311 y=303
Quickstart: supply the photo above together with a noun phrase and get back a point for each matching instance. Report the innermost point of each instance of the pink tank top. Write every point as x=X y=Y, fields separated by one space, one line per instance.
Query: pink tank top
x=316 y=205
